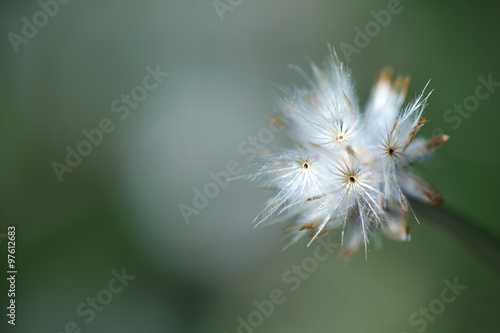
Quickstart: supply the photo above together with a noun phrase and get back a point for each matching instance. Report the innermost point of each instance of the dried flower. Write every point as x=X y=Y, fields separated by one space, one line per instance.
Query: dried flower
x=347 y=170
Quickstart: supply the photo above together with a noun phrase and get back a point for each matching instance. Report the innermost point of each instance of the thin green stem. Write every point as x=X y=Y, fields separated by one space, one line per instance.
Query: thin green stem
x=477 y=240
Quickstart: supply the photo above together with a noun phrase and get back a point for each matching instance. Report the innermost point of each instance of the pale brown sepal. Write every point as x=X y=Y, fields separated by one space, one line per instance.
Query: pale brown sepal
x=435 y=142
x=420 y=123
x=423 y=190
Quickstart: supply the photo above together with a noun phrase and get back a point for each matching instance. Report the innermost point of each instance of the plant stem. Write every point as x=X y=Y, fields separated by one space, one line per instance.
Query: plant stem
x=479 y=241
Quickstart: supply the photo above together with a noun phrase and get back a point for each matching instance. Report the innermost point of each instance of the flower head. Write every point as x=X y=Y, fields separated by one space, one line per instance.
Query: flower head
x=347 y=170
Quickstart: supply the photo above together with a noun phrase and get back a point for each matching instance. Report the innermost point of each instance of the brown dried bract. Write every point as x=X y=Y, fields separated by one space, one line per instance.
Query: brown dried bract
x=404 y=204
x=420 y=123
x=435 y=142
x=309 y=225
x=278 y=122
x=430 y=192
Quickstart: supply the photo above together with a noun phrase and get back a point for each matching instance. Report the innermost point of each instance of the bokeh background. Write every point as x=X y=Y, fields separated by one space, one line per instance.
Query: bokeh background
x=119 y=207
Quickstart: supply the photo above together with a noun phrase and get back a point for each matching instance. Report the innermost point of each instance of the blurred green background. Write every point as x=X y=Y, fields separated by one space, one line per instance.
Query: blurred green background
x=119 y=207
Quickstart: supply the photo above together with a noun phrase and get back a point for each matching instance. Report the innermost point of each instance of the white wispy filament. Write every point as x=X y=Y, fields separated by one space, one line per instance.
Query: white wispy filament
x=347 y=170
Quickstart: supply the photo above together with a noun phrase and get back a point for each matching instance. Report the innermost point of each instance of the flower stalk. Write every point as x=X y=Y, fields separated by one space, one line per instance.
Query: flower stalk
x=483 y=244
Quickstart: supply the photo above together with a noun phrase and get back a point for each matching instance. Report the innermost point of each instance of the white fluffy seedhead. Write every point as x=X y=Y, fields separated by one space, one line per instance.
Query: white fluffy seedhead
x=347 y=170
